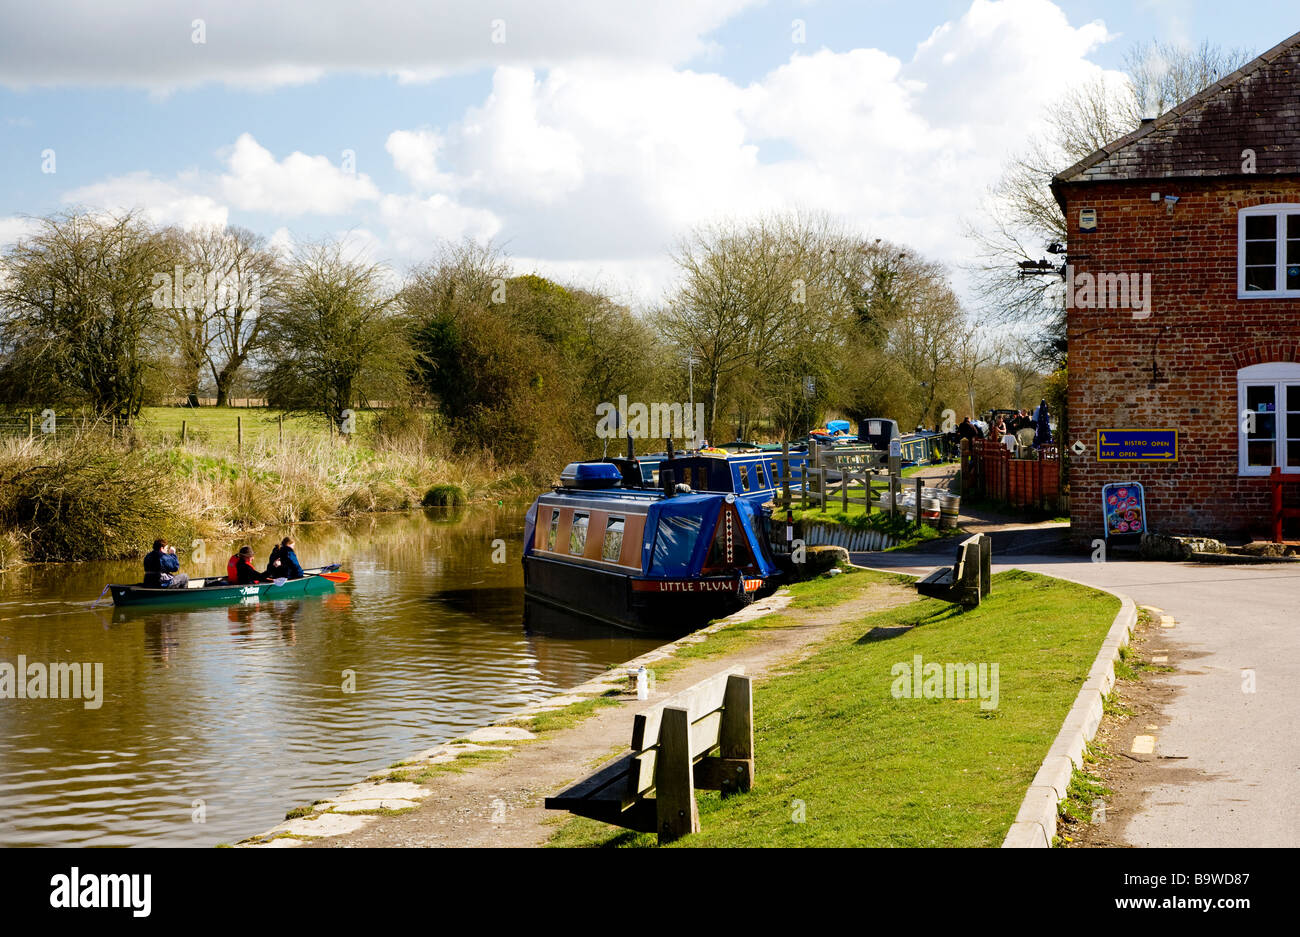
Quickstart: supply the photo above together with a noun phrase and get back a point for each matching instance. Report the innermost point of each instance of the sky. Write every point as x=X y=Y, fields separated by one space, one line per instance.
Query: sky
x=584 y=137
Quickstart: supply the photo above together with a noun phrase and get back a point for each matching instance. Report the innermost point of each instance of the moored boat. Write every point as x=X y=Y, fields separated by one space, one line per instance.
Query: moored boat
x=217 y=590
x=647 y=559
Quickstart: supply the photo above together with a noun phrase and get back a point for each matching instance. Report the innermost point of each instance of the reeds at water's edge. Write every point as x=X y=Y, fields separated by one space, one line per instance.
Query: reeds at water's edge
x=85 y=496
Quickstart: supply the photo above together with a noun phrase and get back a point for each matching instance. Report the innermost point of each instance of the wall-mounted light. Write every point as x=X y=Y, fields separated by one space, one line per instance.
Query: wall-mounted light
x=1170 y=202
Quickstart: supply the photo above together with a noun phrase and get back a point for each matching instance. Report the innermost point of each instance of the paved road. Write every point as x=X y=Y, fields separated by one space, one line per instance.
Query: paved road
x=1241 y=750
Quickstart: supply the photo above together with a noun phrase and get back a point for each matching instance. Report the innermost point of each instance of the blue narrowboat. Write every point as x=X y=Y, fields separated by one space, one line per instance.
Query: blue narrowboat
x=606 y=545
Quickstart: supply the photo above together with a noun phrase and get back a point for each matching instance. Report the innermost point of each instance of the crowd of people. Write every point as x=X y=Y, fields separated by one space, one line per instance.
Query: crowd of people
x=162 y=566
x=1007 y=429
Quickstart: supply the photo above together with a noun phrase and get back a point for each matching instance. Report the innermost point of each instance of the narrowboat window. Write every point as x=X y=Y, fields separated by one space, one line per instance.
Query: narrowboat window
x=675 y=541
x=744 y=478
x=578 y=534
x=555 y=529
x=775 y=475
x=758 y=473
x=613 y=546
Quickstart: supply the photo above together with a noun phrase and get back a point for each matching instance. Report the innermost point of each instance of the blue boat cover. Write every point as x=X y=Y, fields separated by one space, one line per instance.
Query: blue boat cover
x=677 y=534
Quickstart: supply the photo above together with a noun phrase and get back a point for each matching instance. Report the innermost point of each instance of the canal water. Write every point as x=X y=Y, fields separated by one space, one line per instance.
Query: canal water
x=215 y=721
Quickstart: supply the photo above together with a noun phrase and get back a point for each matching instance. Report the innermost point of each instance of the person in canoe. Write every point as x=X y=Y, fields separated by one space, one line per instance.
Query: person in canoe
x=246 y=573
x=284 y=561
x=162 y=568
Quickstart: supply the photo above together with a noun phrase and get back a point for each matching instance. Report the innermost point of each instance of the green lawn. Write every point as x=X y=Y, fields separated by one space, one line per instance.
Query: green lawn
x=219 y=425
x=863 y=768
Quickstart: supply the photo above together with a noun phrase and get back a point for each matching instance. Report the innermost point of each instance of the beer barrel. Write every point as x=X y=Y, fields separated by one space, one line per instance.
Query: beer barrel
x=949 y=509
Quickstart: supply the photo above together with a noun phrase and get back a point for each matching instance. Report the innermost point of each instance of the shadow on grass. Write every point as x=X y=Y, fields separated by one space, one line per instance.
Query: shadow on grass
x=885 y=633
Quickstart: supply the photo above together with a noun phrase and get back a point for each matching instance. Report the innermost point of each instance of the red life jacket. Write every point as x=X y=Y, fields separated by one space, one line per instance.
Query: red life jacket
x=232 y=573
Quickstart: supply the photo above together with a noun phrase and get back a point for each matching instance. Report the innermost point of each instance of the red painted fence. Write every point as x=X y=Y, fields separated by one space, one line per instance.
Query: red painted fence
x=989 y=471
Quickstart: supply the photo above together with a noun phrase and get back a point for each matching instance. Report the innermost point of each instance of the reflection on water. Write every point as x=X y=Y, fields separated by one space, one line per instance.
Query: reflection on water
x=238 y=713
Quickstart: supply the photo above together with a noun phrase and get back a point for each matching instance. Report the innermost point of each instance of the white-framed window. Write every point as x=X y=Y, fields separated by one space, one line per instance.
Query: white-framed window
x=1268 y=418
x=1268 y=252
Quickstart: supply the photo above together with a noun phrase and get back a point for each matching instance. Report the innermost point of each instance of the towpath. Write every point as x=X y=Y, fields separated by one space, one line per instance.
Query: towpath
x=499 y=803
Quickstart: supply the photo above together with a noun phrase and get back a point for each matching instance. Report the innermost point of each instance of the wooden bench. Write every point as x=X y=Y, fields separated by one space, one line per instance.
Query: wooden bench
x=966 y=582
x=701 y=737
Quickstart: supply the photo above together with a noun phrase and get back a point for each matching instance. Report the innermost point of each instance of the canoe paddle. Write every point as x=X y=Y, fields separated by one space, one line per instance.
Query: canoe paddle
x=335 y=577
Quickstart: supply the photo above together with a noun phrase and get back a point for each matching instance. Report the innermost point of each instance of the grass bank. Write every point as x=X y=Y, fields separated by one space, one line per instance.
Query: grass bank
x=844 y=761
x=86 y=493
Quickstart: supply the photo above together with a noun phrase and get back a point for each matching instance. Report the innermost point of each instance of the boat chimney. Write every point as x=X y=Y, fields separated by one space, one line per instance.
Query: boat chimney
x=668 y=479
x=669 y=440
x=631 y=450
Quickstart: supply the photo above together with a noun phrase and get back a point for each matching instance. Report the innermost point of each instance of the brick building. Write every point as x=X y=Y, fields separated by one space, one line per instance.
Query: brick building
x=1183 y=297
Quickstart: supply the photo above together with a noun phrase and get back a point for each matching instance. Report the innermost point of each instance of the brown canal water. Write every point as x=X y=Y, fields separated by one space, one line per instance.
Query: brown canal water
x=215 y=721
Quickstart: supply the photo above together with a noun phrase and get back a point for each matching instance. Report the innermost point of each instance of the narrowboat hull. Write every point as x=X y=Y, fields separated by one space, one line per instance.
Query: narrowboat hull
x=636 y=603
x=220 y=593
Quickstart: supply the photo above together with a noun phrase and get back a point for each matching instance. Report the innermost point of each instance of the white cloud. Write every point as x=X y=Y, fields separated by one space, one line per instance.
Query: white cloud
x=595 y=167
x=604 y=164
x=297 y=185
x=163 y=202
x=15 y=228
x=415 y=155
x=415 y=225
x=151 y=43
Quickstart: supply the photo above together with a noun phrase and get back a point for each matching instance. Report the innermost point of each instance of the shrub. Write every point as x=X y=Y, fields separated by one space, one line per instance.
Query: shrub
x=79 y=499
x=441 y=496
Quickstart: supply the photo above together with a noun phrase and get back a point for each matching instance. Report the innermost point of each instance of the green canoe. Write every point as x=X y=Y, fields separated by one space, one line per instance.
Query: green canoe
x=215 y=590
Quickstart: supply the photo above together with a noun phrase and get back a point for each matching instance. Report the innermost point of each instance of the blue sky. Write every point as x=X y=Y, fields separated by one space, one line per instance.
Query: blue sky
x=585 y=142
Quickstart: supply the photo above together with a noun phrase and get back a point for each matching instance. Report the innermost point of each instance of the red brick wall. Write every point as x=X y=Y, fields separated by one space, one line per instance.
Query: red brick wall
x=1177 y=368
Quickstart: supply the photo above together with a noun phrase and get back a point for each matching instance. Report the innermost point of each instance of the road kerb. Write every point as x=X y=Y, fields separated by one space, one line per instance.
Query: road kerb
x=1035 y=824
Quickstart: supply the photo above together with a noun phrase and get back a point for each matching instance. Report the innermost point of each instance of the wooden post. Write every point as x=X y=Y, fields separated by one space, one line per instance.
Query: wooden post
x=893 y=499
x=821 y=488
x=31 y=427
x=844 y=488
x=677 y=814
x=281 y=419
x=986 y=564
x=112 y=433
x=920 y=482
x=183 y=432
x=785 y=479
x=239 y=434
x=736 y=733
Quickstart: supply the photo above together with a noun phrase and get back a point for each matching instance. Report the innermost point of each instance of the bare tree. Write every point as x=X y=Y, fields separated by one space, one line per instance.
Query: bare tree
x=336 y=340
x=77 y=308
x=1021 y=216
x=231 y=278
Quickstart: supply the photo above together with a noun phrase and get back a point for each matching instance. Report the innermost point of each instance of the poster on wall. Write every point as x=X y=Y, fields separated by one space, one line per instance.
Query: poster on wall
x=1123 y=506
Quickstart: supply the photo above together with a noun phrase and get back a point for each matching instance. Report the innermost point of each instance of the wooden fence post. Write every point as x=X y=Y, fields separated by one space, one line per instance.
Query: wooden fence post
x=785 y=479
x=183 y=428
x=920 y=482
x=674 y=777
x=281 y=419
x=31 y=427
x=239 y=434
x=736 y=733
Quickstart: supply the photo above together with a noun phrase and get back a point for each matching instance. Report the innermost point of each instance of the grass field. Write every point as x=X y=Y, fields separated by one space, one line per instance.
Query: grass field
x=842 y=760
x=220 y=426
